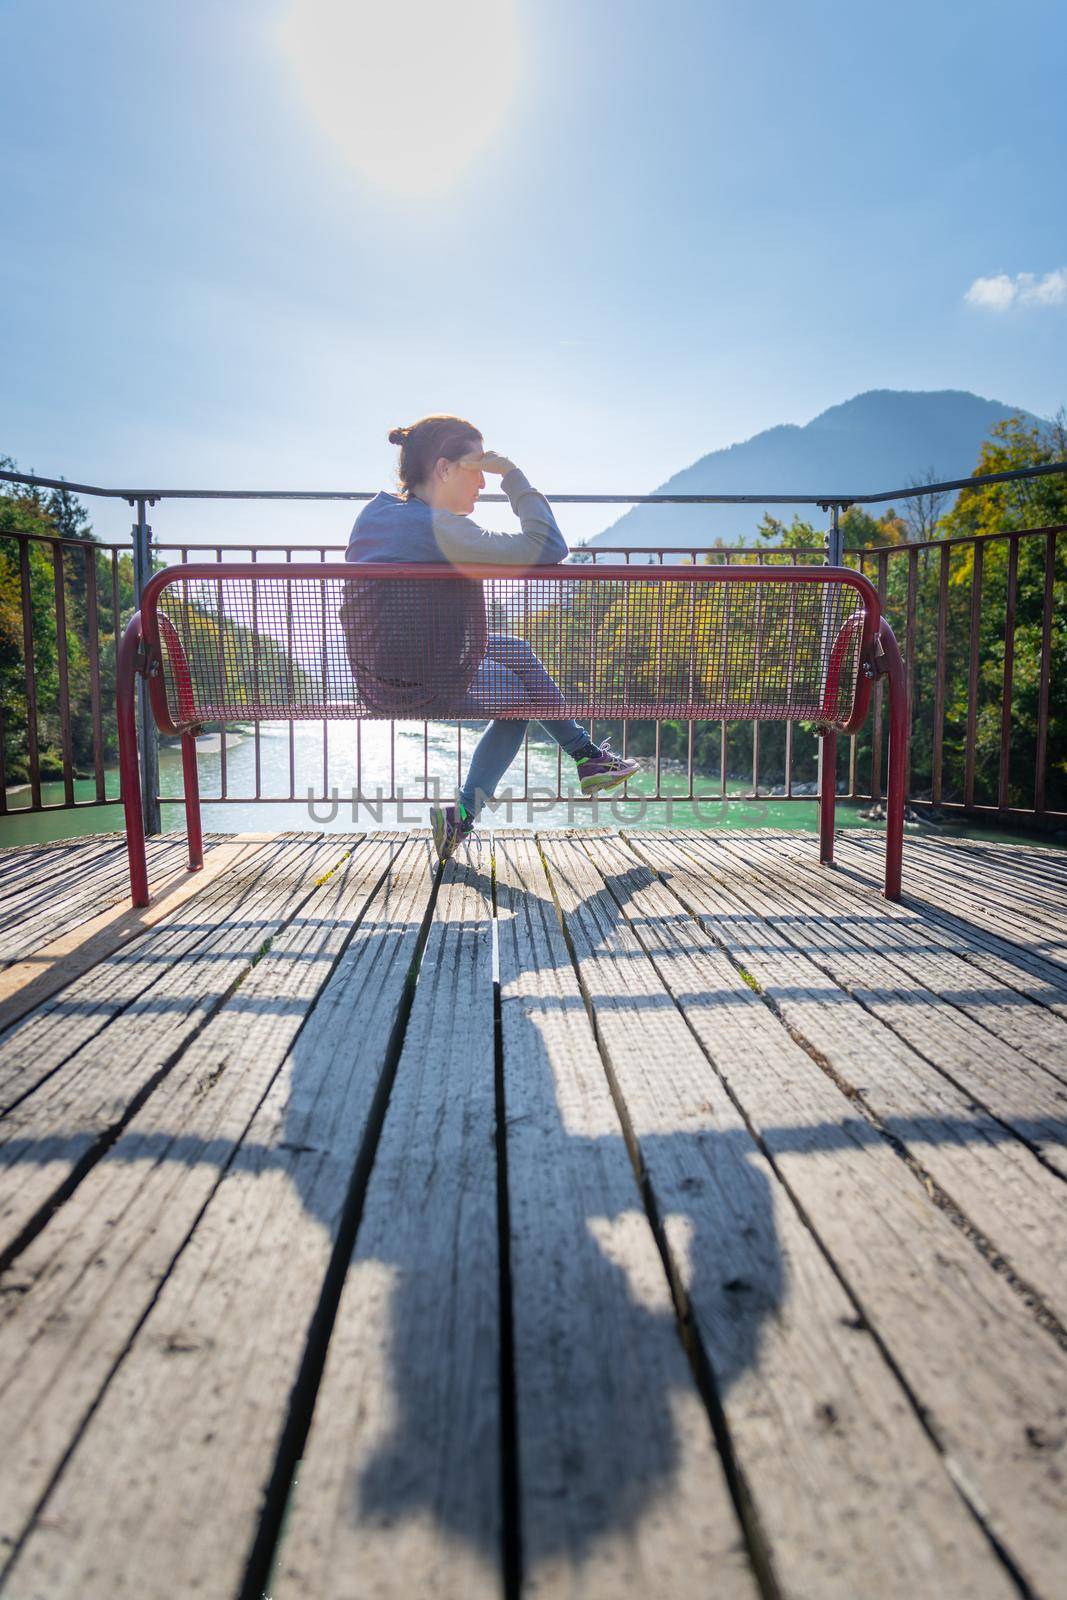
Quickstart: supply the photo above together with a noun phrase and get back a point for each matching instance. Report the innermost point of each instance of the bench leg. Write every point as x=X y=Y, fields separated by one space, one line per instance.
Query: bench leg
x=827 y=796
x=129 y=774
x=898 y=760
x=191 y=784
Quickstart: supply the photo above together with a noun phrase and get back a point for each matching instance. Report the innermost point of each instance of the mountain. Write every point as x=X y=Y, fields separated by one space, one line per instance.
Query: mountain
x=880 y=440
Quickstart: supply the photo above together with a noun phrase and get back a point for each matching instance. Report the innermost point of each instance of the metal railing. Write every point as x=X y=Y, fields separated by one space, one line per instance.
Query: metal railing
x=945 y=598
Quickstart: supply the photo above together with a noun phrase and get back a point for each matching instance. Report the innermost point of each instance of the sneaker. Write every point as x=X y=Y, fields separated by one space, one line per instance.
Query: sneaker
x=603 y=769
x=448 y=830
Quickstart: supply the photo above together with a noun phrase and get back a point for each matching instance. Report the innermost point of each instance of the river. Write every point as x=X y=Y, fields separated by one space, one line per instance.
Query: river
x=438 y=755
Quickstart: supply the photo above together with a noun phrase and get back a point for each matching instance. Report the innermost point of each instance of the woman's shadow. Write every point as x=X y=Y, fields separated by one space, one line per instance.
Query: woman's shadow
x=594 y=1200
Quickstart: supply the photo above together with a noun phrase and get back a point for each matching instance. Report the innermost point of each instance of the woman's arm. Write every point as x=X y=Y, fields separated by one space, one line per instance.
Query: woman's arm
x=540 y=544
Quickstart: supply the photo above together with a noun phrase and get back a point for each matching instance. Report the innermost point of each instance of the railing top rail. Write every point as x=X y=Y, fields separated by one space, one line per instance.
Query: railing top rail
x=825 y=501
x=71 y=544
x=962 y=538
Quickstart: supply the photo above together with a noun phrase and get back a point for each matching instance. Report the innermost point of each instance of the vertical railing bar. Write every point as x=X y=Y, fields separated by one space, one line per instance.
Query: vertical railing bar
x=758 y=653
x=142 y=572
x=557 y=611
x=625 y=659
x=592 y=676
x=255 y=677
x=939 y=680
x=220 y=651
x=59 y=577
x=289 y=660
x=116 y=603
x=978 y=546
x=853 y=743
x=32 y=746
x=692 y=686
x=724 y=637
x=791 y=629
x=1004 y=776
x=325 y=684
x=524 y=591
x=909 y=659
x=1044 y=681
x=3 y=761
x=659 y=684
x=92 y=622
x=876 y=734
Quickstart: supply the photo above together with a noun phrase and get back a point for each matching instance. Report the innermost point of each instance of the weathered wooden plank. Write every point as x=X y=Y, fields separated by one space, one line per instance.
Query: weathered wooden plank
x=32 y=1049
x=64 y=1328
x=28 y=887
x=23 y=868
x=77 y=892
x=621 y=1489
x=1007 y=892
x=28 y=983
x=936 y=880
x=1004 y=958
x=46 y=1138
x=1004 y=1081
x=169 y=1474
x=1009 y=1196
x=849 y=1494
x=928 y=954
x=1042 y=869
x=400 y=1484
x=989 y=1380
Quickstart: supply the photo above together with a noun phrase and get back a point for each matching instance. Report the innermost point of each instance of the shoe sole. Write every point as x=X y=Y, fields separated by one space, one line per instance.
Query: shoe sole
x=440 y=838
x=609 y=780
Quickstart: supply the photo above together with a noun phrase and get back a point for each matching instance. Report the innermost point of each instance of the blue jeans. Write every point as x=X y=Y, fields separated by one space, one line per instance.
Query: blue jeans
x=510 y=670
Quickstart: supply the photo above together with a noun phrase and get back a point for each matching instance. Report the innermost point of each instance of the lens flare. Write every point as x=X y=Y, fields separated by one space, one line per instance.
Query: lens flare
x=410 y=94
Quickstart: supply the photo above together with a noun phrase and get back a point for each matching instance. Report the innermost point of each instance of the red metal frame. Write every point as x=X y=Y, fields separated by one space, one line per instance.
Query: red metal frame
x=134 y=660
x=140 y=651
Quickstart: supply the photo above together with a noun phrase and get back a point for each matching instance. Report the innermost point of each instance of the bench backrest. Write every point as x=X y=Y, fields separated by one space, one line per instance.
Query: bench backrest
x=272 y=642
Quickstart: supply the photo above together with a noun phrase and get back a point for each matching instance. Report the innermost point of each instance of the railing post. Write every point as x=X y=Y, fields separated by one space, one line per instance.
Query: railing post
x=142 y=571
x=835 y=539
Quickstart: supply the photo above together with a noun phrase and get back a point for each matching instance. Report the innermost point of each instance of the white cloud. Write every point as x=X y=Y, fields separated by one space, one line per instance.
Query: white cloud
x=1051 y=290
x=1001 y=292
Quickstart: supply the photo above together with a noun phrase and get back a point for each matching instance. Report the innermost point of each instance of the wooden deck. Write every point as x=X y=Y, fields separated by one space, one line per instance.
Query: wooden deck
x=655 y=1215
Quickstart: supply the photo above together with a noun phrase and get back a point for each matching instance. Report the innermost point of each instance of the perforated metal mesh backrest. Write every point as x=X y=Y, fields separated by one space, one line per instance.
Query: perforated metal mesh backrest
x=349 y=645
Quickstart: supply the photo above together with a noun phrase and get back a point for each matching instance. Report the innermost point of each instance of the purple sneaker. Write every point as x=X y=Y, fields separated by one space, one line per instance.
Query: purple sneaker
x=448 y=829
x=603 y=769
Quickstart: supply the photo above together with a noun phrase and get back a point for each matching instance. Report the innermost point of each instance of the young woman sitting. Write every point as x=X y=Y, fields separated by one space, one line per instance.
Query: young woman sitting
x=395 y=632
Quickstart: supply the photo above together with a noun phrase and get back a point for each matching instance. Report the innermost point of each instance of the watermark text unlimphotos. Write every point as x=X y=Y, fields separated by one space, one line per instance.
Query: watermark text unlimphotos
x=508 y=810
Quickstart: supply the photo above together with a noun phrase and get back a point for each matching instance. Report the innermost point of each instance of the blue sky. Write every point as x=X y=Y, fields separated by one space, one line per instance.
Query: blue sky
x=615 y=235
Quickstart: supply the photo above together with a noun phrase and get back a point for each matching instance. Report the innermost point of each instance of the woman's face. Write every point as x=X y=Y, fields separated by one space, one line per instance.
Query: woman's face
x=461 y=486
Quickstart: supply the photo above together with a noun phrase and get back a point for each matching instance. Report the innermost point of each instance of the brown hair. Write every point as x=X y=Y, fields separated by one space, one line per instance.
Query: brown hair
x=426 y=441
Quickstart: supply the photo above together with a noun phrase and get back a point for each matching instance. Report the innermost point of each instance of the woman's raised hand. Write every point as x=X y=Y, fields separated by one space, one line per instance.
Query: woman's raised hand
x=487 y=461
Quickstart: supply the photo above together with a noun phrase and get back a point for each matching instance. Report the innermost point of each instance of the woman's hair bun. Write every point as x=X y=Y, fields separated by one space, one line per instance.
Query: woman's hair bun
x=397 y=435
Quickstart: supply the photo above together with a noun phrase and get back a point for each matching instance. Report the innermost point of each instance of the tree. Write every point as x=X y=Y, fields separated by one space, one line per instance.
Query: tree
x=68 y=516
x=923 y=511
x=864 y=532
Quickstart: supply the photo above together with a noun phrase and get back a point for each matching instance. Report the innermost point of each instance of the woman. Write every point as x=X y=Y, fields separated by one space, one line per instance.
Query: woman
x=442 y=470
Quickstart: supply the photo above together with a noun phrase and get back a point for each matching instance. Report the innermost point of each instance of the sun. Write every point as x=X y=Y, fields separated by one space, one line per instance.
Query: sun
x=410 y=93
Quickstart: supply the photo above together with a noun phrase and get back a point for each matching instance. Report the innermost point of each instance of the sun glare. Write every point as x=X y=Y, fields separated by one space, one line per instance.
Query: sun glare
x=410 y=93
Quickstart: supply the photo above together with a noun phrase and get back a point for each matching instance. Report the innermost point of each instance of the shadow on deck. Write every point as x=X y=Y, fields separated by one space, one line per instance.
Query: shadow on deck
x=648 y=1213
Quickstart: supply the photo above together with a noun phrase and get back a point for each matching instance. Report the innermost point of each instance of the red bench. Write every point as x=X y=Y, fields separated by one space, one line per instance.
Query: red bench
x=235 y=642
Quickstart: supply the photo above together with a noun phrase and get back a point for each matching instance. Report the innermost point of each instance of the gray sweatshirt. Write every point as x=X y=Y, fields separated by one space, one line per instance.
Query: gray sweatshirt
x=390 y=528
